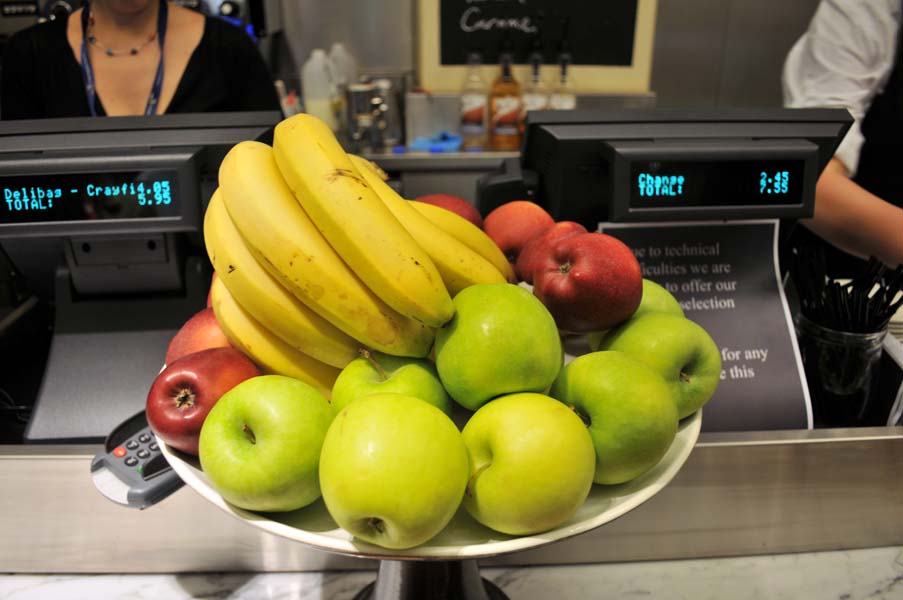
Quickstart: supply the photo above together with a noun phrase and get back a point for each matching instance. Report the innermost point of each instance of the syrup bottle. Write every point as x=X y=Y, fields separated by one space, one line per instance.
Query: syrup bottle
x=505 y=107
x=474 y=100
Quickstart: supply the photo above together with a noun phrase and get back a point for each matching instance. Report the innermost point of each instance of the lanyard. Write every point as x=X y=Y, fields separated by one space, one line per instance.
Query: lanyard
x=88 y=70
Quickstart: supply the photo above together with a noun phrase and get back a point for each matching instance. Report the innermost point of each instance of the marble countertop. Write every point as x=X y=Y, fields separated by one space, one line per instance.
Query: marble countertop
x=866 y=574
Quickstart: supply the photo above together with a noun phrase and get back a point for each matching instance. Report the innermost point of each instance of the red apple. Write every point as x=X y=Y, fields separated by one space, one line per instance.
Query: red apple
x=198 y=333
x=457 y=205
x=185 y=391
x=534 y=253
x=515 y=223
x=589 y=281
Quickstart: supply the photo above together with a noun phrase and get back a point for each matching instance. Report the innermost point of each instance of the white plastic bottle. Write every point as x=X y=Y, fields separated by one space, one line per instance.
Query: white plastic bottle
x=318 y=88
x=344 y=64
x=344 y=72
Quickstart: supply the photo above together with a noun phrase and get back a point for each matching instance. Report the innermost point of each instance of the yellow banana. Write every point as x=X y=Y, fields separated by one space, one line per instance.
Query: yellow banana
x=288 y=245
x=468 y=234
x=354 y=221
x=265 y=298
x=362 y=162
x=377 y=169
x=459 y=266
x=458 y=227
x=263 y=347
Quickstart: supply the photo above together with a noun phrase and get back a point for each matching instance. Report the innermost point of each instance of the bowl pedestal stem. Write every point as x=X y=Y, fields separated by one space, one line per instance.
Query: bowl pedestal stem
x=436 y=580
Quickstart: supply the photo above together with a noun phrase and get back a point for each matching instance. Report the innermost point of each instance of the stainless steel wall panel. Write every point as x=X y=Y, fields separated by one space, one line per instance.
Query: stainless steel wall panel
x=686 y=60
x=745 y=493
x=379 y=34
x=758 y=36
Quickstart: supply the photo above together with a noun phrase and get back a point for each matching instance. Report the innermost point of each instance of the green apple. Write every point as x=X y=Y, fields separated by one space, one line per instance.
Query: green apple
x=628 y=409
x=393 y=470
x=678 y=349
x=260 y=444
x=655 y=299
x=501 y=340
x=532 y=463
x=380 y=373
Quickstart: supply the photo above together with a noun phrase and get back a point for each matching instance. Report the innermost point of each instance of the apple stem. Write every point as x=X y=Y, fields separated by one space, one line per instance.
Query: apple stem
x=473 y=478
x=586 y=420
x=684 y=377
x=369 y=356
x=250 y=434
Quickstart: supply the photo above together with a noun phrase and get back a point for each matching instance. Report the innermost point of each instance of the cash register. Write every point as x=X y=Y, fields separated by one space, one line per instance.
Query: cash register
x=102 y=220
x=669 y=164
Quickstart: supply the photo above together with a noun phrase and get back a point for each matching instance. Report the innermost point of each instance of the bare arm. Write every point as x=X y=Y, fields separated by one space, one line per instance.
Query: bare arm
x=855 y=220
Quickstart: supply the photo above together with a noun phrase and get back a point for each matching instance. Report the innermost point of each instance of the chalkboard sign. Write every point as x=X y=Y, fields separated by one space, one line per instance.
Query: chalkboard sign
x=593 y=33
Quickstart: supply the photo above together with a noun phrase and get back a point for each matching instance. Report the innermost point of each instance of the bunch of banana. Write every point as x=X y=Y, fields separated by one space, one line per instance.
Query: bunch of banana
x=285 y=242
x=270 y=353
x=358 y=225
x=317 y=257
x=267 y=300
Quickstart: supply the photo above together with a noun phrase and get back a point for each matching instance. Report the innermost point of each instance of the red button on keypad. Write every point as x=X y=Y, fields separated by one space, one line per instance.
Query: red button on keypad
x=119 y=452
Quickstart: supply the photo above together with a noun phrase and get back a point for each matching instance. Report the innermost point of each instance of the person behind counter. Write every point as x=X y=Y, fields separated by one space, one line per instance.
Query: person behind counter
x=132 y=57
x=851 y=57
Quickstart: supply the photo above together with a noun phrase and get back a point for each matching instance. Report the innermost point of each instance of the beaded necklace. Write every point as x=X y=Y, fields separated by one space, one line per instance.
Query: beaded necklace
x=92 y=39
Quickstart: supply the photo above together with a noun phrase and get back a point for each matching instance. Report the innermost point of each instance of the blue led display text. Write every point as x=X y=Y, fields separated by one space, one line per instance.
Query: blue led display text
x=654 y=186
x=90 y=196
x=30 y=198
x=777 y=182
x=713 y=182
x=657 y=186
x=149 y=193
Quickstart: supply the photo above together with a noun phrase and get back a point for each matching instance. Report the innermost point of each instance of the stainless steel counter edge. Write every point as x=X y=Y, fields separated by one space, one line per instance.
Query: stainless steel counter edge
x=705 y=440
x=739 y=493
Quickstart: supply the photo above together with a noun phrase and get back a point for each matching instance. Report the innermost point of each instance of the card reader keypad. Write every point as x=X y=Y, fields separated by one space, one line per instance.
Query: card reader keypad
x=132 y=470
x=137 y=450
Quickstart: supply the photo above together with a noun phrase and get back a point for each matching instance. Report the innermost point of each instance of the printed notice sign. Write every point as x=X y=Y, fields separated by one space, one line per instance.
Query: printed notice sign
x=725 y=277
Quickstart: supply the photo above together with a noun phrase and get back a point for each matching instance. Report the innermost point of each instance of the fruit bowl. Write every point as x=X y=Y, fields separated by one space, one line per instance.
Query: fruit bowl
x=463 y=538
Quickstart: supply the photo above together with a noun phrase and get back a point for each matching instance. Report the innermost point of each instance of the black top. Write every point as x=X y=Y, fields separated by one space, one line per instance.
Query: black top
x=41 y=77
x=881 y=157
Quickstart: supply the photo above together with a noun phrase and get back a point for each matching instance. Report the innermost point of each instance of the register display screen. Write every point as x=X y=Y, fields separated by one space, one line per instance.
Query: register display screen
x=44 y=198
x=674 y=184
